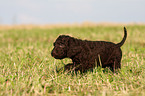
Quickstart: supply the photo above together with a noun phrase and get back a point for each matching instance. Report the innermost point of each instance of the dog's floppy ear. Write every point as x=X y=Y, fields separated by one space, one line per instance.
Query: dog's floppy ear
x=74 y=51
x=74 y=47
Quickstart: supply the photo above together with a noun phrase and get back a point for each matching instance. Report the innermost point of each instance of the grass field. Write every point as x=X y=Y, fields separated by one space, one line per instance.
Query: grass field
x=27 y=68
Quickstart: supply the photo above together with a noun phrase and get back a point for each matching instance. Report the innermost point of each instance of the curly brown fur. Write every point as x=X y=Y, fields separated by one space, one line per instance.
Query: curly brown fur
x=87 y=54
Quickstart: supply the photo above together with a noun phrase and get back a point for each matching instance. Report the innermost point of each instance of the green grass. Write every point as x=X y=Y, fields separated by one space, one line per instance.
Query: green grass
x=27 y=68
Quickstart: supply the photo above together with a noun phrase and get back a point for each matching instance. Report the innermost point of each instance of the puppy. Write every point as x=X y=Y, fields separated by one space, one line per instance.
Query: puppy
x=88 y=54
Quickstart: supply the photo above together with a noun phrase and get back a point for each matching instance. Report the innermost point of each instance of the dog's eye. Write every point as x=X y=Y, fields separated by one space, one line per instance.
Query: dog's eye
x=61 y=45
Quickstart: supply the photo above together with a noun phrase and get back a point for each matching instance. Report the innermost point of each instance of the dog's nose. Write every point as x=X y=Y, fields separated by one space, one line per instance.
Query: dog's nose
x=53 y=53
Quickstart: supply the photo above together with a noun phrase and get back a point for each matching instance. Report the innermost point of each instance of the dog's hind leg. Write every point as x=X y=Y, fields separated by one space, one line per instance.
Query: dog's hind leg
x=116 y=65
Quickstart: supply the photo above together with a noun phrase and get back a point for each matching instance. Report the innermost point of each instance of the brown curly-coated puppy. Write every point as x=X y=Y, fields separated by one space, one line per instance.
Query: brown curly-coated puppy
x=87 y=54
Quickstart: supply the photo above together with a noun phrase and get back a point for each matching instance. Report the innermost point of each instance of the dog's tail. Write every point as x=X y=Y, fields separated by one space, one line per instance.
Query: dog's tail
x=124 y=38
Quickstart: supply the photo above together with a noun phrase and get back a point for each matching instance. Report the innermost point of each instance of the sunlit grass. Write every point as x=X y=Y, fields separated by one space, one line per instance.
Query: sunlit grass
x=27 y=68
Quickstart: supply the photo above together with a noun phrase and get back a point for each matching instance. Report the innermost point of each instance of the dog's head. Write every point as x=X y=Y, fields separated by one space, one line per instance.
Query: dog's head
x=64 y=46
x=60 y=47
